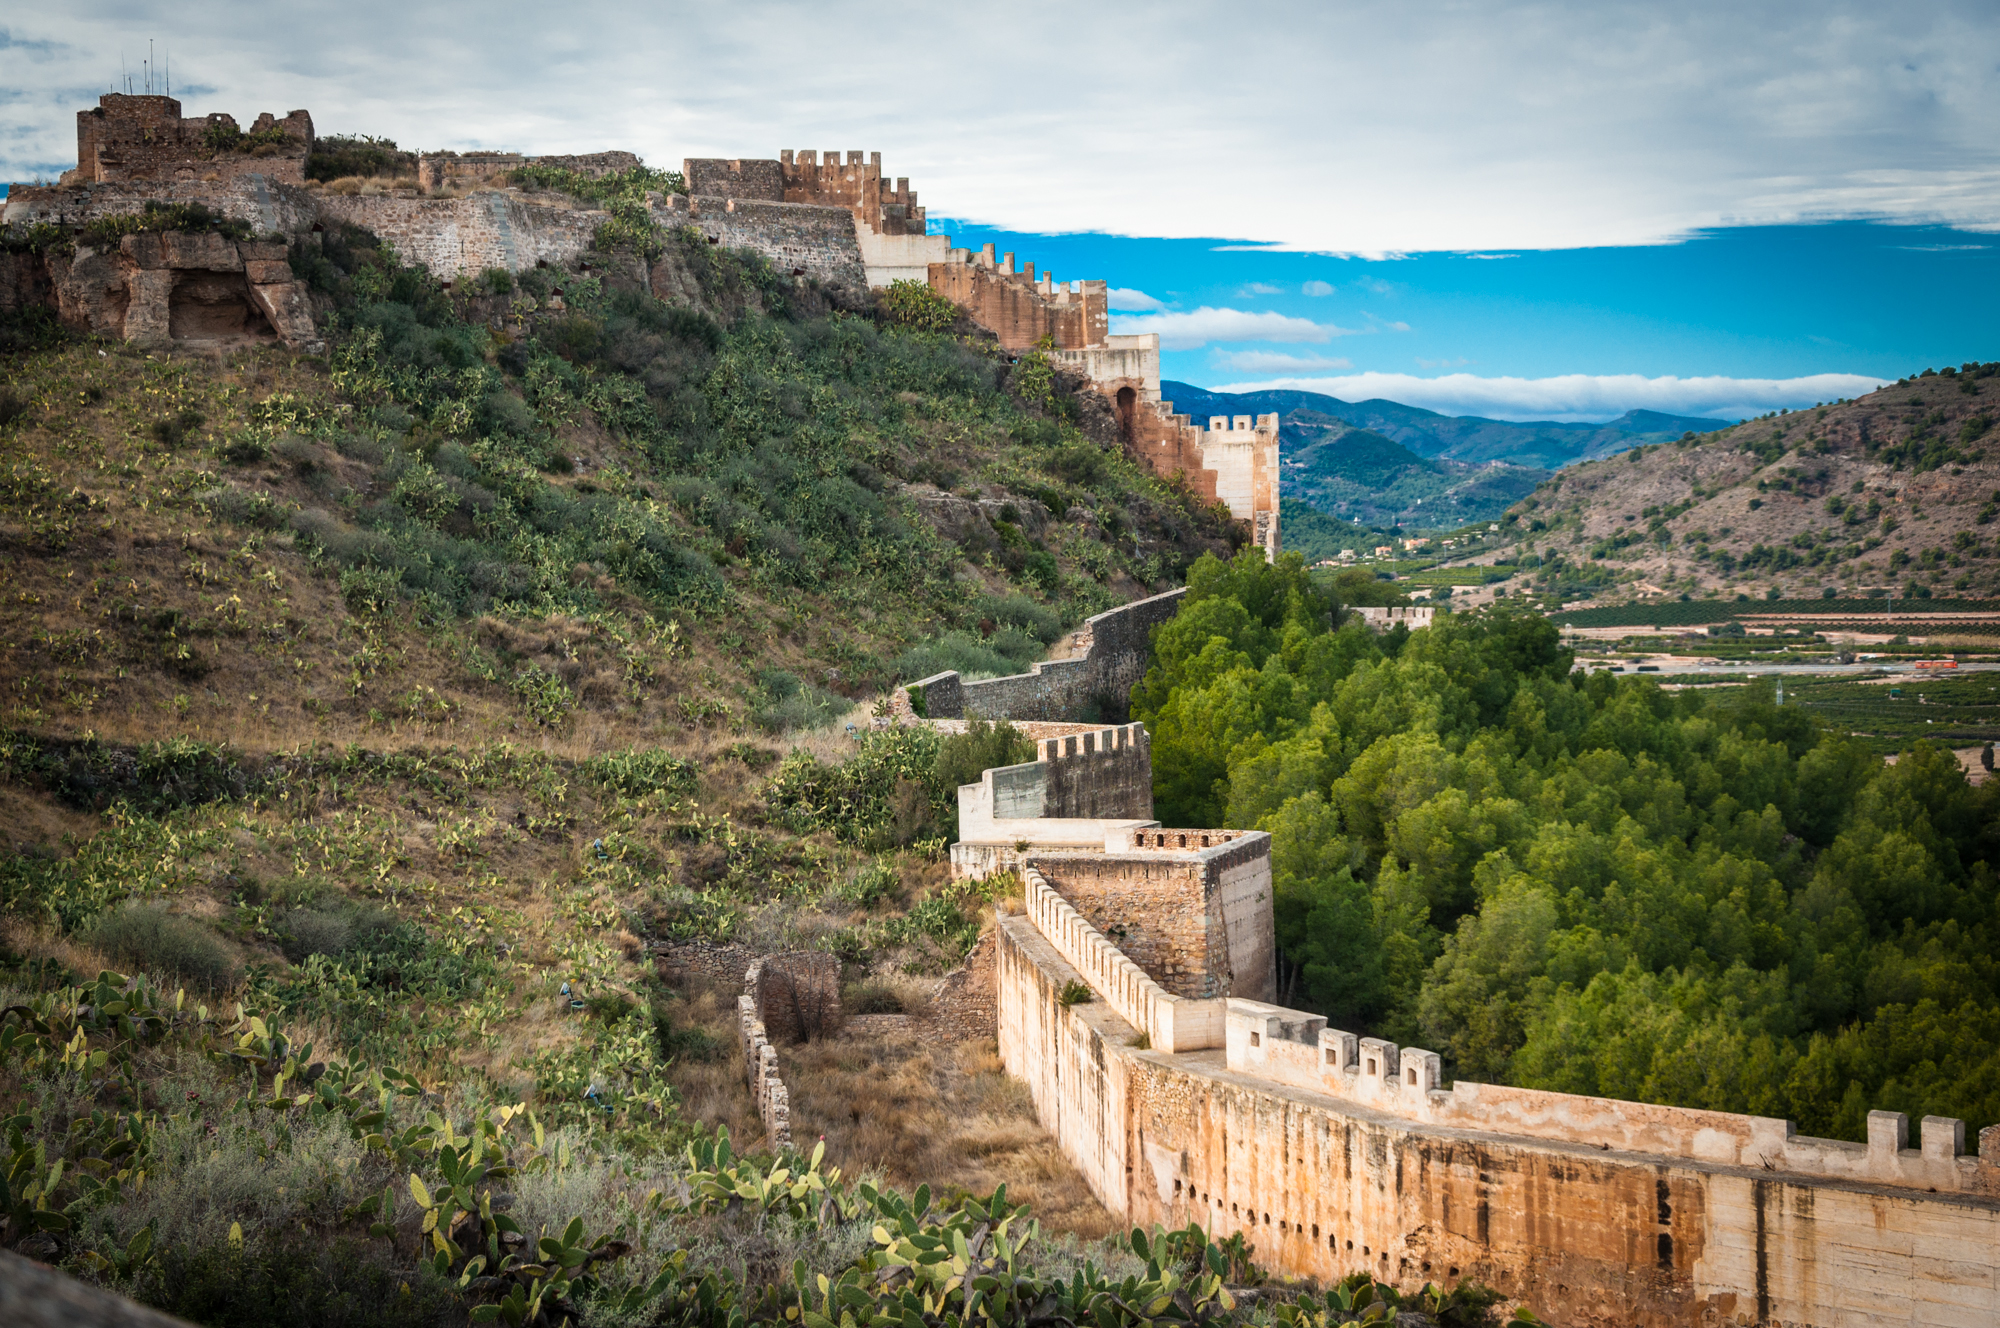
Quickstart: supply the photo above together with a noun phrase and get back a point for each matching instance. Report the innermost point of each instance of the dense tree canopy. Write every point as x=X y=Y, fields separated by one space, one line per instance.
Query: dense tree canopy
x=1593 y=885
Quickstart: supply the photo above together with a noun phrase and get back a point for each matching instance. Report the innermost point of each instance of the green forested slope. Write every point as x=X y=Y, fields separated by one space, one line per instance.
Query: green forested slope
x=1589 y=885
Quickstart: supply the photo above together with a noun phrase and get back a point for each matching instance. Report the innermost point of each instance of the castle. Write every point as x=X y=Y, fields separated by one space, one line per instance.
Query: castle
x=1183 y=1091
x=839 y=223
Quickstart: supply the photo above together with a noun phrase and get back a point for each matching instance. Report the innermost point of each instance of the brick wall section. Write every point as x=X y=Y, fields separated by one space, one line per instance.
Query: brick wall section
x=1101 y=775
x=267 y=205
x=1019 y=309
x=1116 y=646
x=1590 y=1231
x=856 y=185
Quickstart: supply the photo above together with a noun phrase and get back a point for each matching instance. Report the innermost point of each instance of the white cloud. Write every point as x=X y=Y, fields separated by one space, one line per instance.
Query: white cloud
x=1491 y=128
x=1259 y=288
x=1576 y=397
x=1185 y=331
x=1317 y=288
x=1492 y=256
x=1271 y=361
x=1132 y=299
x=1376 y=285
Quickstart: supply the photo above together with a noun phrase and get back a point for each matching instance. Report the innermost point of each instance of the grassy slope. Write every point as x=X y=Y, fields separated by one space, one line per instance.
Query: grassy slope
x=401 y=720
x=1910 y=467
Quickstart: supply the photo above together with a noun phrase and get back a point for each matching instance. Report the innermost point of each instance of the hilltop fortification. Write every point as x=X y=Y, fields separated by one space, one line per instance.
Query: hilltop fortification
x=829 y=219
x=1184 y=1094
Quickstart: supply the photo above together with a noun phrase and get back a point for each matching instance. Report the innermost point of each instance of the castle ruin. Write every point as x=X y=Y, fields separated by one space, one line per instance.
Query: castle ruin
x=823 y=217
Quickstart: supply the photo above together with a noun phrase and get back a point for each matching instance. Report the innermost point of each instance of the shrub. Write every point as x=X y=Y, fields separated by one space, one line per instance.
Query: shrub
x=914 y=304
x=148 y=936
x=173 y=430
x=1074 y=993
x=871 y=998
x=636 y=772
x=963 y=757
x=791 y=703
x=370 y=590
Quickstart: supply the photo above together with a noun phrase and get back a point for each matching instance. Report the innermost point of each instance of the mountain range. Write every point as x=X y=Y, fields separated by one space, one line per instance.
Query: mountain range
x=1544 y=444
x=1381 y=463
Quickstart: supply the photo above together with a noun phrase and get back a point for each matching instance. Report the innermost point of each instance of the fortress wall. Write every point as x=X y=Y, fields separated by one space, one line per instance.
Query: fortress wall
x=1122 y=361
x=745 y=178
x=1115 y=651
x=456 y=237
x=906 y=257
x=1115 y=646
x=1587 y=1235
x=1197 y=921
x=269 y=206
x=1018 y=309
x=798 y=240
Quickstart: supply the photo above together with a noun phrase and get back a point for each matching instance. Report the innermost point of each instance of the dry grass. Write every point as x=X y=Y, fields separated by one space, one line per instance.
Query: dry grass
x=917 y=1111
x=713 y=1091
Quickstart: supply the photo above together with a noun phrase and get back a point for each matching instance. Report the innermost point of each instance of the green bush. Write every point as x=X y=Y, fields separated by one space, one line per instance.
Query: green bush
x=963 y=757
x=789 y=703
x=147 y=936
x=337 y=156
x=914 y=304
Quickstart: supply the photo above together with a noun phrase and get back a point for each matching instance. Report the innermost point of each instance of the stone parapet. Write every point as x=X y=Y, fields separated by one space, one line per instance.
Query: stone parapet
x=1115 y=646
x=1170 y=1022
x=1632 y=1226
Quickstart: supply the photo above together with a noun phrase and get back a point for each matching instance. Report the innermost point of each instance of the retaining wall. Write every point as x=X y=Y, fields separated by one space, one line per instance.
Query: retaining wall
x=1593 y=1212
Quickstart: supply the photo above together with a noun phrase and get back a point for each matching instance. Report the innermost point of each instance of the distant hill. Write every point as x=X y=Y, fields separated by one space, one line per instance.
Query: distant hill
x=1544 y=444
x=1364 y=476
x=1899 y=489
x=1307 y=530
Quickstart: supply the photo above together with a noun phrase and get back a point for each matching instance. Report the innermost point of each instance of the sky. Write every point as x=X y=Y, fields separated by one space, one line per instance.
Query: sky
x=1550 y=210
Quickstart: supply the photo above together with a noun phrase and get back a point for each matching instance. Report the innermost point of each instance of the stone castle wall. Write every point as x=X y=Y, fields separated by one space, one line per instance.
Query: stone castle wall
x=1017 y=307
x=1195 y=919
x=134 y=138
x=1318 y=1149
x=799 y=241
x=462 y=237
x=1115 y=646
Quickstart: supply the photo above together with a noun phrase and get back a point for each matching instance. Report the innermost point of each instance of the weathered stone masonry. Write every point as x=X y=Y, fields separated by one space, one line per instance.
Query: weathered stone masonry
x=1333 y=1153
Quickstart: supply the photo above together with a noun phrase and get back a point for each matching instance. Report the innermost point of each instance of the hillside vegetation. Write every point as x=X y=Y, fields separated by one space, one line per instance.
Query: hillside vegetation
x=1587 y=884
x=378 y=723
x=1894 y=490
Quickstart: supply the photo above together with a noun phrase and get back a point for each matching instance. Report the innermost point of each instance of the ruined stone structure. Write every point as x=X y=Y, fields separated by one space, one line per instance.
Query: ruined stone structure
x=145 y=138
x=816 y=216
x=157 y=288
x=786 y=998
x=1183 y=1095
x=1108 y=655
